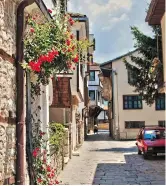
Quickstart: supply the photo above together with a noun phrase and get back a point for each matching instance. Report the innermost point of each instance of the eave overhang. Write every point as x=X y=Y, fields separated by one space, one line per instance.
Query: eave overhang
x=155 y=12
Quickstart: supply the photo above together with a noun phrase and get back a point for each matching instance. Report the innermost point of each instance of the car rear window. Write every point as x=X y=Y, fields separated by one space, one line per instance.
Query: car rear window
x=154 y=134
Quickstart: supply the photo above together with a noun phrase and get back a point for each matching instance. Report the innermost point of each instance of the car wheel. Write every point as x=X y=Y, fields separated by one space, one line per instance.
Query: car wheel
x=139 y=152
x=145 y=155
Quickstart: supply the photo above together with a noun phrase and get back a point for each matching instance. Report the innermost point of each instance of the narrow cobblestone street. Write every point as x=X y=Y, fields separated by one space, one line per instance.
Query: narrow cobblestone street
x=106 y=162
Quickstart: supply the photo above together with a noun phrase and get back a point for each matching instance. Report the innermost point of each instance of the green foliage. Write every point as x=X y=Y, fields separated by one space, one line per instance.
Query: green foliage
x=57 y=133
x=146 y=80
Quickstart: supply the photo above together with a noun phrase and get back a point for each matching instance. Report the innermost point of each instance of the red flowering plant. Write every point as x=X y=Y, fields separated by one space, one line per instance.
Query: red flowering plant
x=50 y=47
x=44 y=173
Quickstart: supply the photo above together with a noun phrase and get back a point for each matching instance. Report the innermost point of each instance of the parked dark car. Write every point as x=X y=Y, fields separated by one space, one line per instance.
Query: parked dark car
x=151 y=141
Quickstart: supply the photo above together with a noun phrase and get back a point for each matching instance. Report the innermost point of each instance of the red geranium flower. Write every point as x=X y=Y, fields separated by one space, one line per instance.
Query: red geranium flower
x=76 y=59
x=42 y=58
x=39 y=180
x=55 y=52
x=49 y=175
x=35 y=66
x=56 y=182
x=44 y=161
x=34 y=153
x=52 y=175
x=71 y=21
x=73 y=47
x=68 y=42
x=74 y=68
x=37 y=149
x=71 y=36
x=50 y=11
x=48 y=168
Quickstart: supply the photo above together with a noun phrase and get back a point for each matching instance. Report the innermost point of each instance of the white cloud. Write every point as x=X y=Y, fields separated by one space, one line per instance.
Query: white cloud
x=114 y=20
x=102 y=10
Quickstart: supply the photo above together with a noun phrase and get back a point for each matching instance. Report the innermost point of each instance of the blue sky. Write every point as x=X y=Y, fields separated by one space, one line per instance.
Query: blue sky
x=110 y=22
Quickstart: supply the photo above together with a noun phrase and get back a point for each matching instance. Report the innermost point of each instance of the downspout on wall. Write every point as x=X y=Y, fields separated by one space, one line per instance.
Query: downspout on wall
x=20 y=109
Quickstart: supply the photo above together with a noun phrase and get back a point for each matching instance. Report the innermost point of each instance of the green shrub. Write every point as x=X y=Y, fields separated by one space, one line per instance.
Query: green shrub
x=57 y=134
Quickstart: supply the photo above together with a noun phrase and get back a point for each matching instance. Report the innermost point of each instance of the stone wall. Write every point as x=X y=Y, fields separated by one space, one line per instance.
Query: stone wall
x=7 y=89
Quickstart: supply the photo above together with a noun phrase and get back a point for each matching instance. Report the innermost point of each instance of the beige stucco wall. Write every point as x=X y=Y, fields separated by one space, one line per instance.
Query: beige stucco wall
x=147 y=114
x=163 y=44
x=57 y=115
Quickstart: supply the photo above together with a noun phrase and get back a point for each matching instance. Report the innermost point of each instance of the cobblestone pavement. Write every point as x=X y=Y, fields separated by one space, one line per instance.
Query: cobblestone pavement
x=106 y=162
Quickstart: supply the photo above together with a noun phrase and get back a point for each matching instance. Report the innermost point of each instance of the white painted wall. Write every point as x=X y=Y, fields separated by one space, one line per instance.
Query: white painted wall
x=121 y=87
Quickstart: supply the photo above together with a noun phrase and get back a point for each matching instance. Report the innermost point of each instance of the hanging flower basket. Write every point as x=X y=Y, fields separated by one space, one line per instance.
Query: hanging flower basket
x=51 y=47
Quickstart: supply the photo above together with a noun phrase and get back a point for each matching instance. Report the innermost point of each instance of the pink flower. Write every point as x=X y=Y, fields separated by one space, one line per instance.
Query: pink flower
x=34 y=153
x=44 y=160
x=32 y=30
x=56 y=182
x=50 y=11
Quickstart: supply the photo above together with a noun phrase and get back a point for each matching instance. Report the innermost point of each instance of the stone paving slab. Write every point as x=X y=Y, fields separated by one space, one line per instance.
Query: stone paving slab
x=103 y=161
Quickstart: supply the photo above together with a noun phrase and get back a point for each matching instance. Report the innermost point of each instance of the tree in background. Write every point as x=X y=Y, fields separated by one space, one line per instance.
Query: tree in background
x=147 y=69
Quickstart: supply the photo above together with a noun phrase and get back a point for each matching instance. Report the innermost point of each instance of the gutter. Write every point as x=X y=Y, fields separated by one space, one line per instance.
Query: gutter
x=20 y=109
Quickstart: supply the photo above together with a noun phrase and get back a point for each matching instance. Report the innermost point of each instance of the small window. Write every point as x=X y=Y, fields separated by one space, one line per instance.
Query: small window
x=131 y=77
x=134 y=124
x=92 y=95
x=92 y=76
x=132 y=102
x=160 y=102
x=161 y=123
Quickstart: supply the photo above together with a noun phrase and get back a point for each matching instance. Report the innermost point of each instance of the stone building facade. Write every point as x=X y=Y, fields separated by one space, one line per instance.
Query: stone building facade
x=7 y=89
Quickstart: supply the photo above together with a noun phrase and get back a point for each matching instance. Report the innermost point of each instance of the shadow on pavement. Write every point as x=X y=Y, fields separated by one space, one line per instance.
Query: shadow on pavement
x=135 y=171
x=120 y=150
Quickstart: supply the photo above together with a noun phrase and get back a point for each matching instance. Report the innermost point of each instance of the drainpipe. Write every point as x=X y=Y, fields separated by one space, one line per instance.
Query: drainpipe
x=20 y=110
